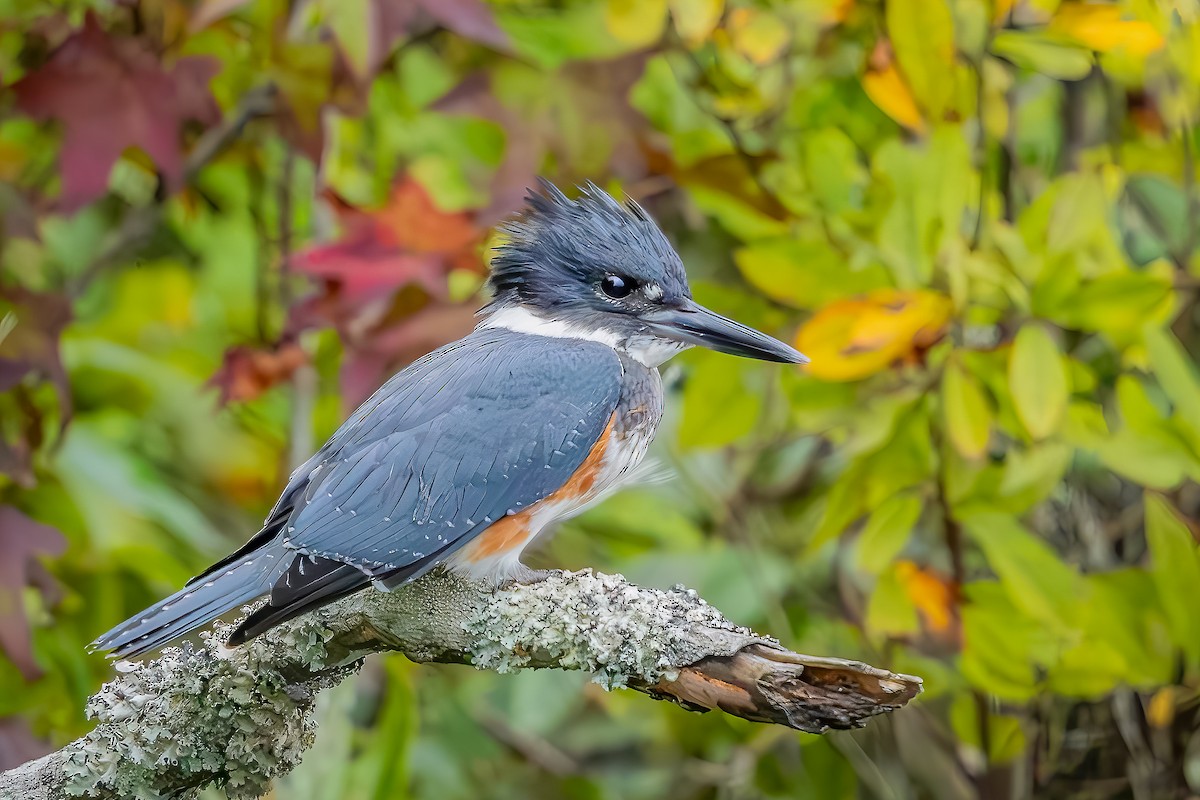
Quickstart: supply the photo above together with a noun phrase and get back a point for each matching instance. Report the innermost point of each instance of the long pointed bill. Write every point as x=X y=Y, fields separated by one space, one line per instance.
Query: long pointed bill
x=692 y=323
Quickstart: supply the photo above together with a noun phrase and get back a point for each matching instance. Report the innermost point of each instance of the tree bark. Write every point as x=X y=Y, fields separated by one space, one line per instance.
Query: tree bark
x=237 y=718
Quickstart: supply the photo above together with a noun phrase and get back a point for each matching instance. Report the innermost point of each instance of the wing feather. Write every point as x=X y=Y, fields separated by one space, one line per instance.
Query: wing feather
x=491 y=424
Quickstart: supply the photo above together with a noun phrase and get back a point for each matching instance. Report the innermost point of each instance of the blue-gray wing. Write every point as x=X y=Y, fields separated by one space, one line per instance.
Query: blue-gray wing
x=480 y=429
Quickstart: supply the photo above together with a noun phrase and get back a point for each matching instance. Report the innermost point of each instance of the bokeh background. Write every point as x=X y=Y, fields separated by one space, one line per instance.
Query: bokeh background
x=225 y=222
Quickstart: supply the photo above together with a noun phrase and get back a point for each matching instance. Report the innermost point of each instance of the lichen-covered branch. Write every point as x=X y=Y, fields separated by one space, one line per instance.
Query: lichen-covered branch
x=240 y=717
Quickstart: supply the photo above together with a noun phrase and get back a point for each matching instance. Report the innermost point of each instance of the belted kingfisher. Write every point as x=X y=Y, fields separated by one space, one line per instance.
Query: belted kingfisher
x=462 y=458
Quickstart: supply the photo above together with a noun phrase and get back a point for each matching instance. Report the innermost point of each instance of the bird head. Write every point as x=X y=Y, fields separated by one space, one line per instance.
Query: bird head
x=595 y=268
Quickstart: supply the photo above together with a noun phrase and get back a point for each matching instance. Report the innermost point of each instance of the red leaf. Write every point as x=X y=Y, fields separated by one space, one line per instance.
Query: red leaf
x=112 y=93
x=247 y=372
x=22 y=540
x=470 y=19
x=385 y=284
x=409 y=241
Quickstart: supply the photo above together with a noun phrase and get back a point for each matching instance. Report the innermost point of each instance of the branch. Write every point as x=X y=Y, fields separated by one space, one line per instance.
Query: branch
x=240 y=717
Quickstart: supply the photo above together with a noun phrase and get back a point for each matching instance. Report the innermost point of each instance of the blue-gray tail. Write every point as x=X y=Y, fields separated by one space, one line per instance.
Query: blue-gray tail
x=223 y=588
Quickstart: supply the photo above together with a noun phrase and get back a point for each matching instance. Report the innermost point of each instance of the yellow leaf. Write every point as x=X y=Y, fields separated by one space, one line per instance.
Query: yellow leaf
x=1160 y=711
x=852 y=339
x=696 y=19
x=1101 y=28
x=1038 y=381
x=933 y=596
x=887 y=90
x=968 y=415
x=1001 y=9
x=757 y=35
x=636 y=22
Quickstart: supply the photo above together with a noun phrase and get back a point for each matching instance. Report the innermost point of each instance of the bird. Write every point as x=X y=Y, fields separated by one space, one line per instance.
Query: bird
x=464 y=457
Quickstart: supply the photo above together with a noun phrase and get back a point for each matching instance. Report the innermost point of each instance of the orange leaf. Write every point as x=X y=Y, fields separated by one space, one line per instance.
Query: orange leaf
x=888 y=90
x=246 y=372
x=1101 y=28
x=410 y=220
x=852 y=339
x=933 y=596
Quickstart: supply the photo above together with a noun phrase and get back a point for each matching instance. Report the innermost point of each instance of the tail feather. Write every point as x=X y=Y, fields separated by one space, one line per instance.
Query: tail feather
x=195 y=605
x=327 y=581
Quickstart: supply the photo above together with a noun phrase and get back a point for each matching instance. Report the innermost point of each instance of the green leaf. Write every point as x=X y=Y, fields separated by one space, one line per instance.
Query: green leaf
x=1038 y=381
x=1117 y=304
x=1078 y=215
x=1004 y=650
x=922 y=34
x=931 y=185
x=968 y=415
x=1030 y=475
x=576 y=32
x=1174 y=370
x=1176 y=571
x=1036 y=580
x=886 y=532
x=1154 y=219
x=718 y=406
x=1155 y=461
x=832 y=168
x=1040 y=53
x=1003 y=732
x=804 y=272
x=890 y=611
x=351 y=22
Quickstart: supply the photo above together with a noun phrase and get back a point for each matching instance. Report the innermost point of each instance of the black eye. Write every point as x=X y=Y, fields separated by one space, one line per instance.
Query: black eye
x=617 y=287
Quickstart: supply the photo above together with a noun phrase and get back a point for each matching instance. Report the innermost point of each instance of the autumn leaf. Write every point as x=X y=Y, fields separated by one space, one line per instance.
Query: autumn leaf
x=23 y=541
x=852 y=339
x=247 y=372
x=888 y=90
x=384 y=283
x=409 y=240
x=111 y=93
x=1102 y=28
x=934 y=597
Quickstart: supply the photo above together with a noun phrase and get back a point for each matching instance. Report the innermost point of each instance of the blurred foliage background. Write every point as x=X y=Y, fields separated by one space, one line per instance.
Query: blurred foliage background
x=225 y=222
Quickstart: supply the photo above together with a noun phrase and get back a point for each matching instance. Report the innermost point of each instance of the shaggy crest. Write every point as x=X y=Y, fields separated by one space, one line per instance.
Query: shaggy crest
x=557 y=243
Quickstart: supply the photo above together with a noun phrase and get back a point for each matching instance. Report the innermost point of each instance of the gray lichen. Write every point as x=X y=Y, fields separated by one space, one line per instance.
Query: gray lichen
x=239 y=718
x=198 y=715
x=594 y=622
